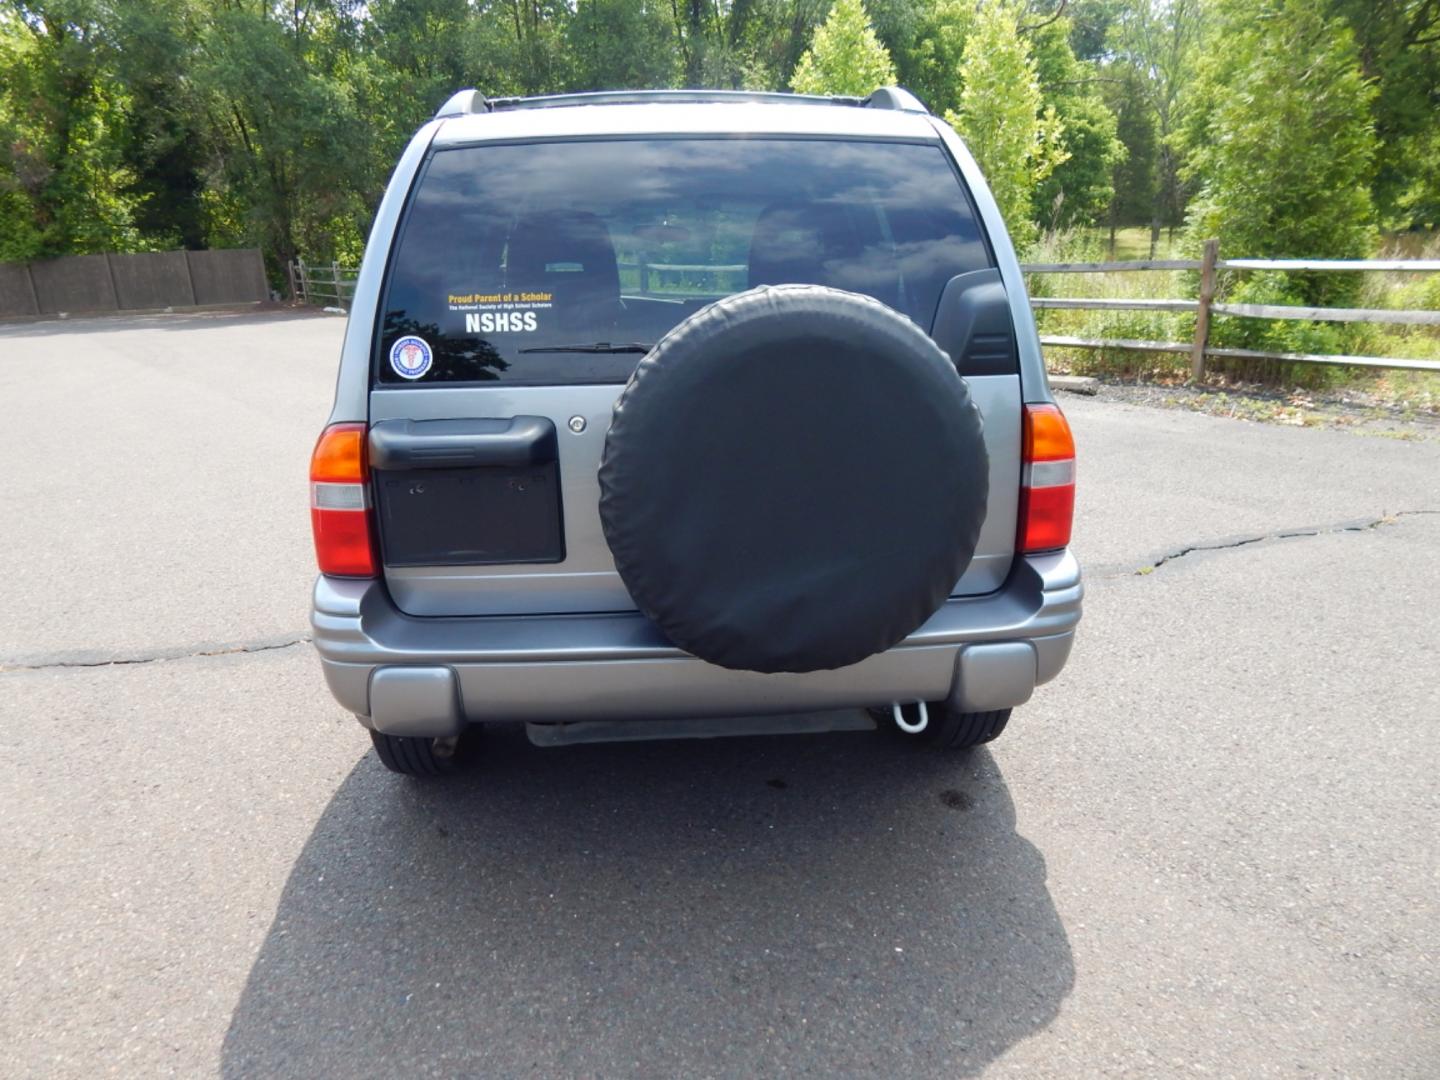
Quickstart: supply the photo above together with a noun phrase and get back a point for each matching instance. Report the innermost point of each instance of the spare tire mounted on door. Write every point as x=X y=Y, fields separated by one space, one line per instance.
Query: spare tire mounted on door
x=794 y=479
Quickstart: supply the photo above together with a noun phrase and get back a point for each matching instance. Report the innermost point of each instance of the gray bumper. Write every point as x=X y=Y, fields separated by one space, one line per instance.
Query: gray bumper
x=431 y=676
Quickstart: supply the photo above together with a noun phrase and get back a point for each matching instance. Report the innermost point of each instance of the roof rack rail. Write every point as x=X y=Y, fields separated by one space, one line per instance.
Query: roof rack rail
x=895 y=97
x=467 y=102
x=675 y=97
x=462 y=103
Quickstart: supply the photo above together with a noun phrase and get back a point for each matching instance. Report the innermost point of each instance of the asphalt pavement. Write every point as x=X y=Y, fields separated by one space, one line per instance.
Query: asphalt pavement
x=1211 y=848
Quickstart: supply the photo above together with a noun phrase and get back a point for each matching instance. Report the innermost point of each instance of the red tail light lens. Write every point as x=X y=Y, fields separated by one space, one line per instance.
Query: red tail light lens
x=1047 y=483
x=340 y=503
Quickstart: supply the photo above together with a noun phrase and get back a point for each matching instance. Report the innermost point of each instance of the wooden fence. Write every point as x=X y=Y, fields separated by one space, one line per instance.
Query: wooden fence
x=136 y=281
x=1205 y=305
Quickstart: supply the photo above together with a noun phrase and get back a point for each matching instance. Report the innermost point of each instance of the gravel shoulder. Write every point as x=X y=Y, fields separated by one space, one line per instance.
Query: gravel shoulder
x=1351 y=410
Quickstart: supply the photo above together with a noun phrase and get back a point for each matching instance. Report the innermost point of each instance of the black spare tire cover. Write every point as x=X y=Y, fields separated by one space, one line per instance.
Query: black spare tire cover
x=794 y=479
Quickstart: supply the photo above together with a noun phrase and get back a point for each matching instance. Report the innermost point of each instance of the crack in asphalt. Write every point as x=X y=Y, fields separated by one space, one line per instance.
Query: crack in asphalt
x=159 y=657
x=1356 y=525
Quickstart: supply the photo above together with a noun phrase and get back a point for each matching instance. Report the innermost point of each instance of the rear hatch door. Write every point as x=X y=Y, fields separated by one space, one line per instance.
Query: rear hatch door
x=526 y=282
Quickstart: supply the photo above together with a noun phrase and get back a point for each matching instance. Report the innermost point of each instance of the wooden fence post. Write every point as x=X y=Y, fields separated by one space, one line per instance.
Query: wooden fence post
x=190 y=277
x=1202 y=314
x=34 y=292
x=114 y=285
x=290 y=271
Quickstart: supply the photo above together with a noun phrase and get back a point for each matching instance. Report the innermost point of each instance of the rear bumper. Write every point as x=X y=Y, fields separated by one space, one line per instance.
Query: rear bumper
x=431 y=676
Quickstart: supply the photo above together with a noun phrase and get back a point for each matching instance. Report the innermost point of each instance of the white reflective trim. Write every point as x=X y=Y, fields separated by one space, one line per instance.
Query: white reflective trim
x=1042 y=474
x=327 y=496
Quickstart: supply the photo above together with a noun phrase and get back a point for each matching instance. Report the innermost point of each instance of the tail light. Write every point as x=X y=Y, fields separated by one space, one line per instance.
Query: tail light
x=340 y=503
x=1047 y=482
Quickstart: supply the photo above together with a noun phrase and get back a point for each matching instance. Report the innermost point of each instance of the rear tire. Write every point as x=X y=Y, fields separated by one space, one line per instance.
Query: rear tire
x=950 y=730
x=412 y=756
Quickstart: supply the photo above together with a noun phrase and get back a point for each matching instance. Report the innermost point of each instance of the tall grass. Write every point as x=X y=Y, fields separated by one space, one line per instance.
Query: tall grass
x=1091 y=245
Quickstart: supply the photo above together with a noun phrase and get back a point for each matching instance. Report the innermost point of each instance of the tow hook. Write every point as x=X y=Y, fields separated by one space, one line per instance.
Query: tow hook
x=911 y=727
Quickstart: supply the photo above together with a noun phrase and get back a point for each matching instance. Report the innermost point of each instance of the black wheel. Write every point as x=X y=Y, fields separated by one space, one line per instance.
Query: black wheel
x=946 y=729
x=411 y=756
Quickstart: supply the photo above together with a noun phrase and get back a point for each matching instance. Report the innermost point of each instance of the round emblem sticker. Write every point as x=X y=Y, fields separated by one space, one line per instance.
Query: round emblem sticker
x=410 y=356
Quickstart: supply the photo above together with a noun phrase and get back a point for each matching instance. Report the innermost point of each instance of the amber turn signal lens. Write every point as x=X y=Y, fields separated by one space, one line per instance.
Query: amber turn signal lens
x=340 y=455
x=1047 y=434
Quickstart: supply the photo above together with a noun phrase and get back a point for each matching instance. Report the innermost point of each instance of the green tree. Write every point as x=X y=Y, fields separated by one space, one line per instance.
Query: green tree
x=397 y=65
x=1399 y=47
x=621 y=44
x=1160 y=41
x=931 y=65
x=1282 y=140
x=1135 y=177
x=1079 y=189
x=1015 y=138
x=845 y=56
x=152 y=45
x=64 y=184
x=1092 y=25
x=290 y=144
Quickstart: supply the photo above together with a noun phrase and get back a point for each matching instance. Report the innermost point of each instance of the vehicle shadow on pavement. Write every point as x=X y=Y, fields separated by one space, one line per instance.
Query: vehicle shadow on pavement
x=838 y=904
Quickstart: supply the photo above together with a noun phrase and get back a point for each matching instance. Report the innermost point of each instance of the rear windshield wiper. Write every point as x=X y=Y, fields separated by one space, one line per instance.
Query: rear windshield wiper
x=592 y=346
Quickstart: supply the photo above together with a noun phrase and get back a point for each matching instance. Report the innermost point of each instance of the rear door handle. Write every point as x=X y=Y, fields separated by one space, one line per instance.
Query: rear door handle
x=458 y=444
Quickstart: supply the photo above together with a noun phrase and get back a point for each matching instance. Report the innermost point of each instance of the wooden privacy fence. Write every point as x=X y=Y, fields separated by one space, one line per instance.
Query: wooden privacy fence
x=138 y=281
x=1205 y=306
x=327 y=282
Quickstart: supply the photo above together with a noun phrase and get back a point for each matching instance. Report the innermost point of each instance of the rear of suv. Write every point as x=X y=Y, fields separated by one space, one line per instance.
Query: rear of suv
x=678 y=414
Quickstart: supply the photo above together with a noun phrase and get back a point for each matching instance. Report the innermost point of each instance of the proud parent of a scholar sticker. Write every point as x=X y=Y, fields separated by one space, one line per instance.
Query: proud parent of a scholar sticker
x=501 y=313
x=411 y=357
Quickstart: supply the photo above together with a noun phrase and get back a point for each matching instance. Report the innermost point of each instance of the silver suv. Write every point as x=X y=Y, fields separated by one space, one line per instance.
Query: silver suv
x=683 y=413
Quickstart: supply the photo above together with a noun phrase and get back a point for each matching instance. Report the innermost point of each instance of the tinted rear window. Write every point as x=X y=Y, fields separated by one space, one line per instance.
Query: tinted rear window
x=511 y=247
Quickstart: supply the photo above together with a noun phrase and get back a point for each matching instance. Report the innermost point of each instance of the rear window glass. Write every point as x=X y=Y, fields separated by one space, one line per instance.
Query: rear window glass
x=511 y=248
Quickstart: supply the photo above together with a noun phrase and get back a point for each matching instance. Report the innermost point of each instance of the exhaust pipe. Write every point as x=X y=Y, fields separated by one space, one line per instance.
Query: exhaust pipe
x=911 y=727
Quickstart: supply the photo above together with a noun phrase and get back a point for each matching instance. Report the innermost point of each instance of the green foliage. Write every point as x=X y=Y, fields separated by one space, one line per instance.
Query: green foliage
x=161 y=135
x=931 y=66
x=620 y=44
x=845 y=56
x=64 y=184
x=1280 y=335
x=1156 y=46
x=1284 y=150
x=1135 y=177
x=1422 y=294
x=1088 y=245
x=132 y=124
x=1080 y=187
x=1014 y=136
x=290 y=129
x=1399 y=48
